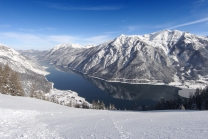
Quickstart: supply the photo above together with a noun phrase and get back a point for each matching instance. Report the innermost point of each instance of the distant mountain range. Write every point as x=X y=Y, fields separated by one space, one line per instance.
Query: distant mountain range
x=166 y=57
x=33 y=54
x=31 y=73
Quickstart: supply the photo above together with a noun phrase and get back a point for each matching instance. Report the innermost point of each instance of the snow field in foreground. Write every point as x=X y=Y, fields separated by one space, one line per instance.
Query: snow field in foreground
x=22 y=117
x=23 y=124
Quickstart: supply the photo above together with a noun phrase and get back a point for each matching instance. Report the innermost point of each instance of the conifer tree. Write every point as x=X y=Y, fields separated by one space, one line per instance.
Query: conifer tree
x=102 y=105
x=93 y=104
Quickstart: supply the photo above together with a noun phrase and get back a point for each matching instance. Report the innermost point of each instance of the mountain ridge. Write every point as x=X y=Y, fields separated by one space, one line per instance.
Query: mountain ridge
x=30 y=72
x=164 y=57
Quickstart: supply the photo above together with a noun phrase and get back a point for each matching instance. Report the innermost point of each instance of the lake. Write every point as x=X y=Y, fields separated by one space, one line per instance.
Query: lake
x=122 y=95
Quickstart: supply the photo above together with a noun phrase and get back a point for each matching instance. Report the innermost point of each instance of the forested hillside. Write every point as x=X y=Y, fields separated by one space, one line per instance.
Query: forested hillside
x=10 y=82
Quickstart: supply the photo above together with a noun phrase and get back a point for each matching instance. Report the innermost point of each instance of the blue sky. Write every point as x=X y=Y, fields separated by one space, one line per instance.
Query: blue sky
x=42 y=24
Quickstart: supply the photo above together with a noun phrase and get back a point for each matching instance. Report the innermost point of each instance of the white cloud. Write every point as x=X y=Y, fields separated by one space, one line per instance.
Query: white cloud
x=22 y=37
x=190 y=23
x=18 y=40
x=30 y=41
x=25 y=38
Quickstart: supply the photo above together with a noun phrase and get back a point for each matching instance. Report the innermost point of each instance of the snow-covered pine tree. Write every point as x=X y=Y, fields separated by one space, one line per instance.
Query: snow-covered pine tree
x=182 y=107
x=102 y=105
x=94 y=104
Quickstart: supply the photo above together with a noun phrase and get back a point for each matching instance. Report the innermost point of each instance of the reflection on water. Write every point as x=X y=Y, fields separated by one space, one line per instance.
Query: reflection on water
x=122 y=95
x=134 y=91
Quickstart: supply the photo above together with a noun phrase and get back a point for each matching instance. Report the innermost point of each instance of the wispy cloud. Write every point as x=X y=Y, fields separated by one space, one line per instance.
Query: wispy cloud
x=28 y=41
x=34 y=30
x=21 y=37
x=199 y=1
x=29 y=30
x=199 y=4
x=87 y=8
x=30 y=38
x=190 y=23
x=111 y=32
x=199 y=8
x=132 y=28
x=97 y=39
x=37 y=41
x=138 y=27
x=61 y=39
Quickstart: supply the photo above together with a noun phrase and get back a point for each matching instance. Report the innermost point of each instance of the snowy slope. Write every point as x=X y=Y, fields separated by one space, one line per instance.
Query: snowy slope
x=170 y=57
x=41 y=119
x=30 y=72
x=33 y=54
x=19 y=62
x=166 y=57
x=63 y=54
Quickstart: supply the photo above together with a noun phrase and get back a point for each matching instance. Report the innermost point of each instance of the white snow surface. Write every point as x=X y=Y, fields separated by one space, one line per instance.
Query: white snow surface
x=65 y=97
x=19 y=62
x=22 y=117
x=64 y=46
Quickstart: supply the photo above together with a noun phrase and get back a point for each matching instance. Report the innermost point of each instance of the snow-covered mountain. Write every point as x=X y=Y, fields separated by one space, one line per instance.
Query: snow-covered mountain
x=63 y=54
x=164 y=57
x=18 y=62
x=31 y=73
x=33 y=54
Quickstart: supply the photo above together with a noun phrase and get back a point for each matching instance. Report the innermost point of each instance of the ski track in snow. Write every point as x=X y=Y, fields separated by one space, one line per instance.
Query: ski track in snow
x=36 y=119
x=23 y=124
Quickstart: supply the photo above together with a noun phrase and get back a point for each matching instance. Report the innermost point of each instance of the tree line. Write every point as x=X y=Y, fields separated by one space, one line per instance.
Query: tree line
x=196 y=101
x=10 y=82
x=100 y=105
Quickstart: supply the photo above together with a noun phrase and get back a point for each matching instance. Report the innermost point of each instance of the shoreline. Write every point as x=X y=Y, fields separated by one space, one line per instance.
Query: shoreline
x=172 y=84
x=184 y=89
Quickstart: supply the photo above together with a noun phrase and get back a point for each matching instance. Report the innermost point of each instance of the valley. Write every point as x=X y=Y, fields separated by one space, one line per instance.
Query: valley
x=168 y=57
x=103 y=69
x=122 y=95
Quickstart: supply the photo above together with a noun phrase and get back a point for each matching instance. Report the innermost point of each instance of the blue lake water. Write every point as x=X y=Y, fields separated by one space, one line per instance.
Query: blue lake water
x=122 y=95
